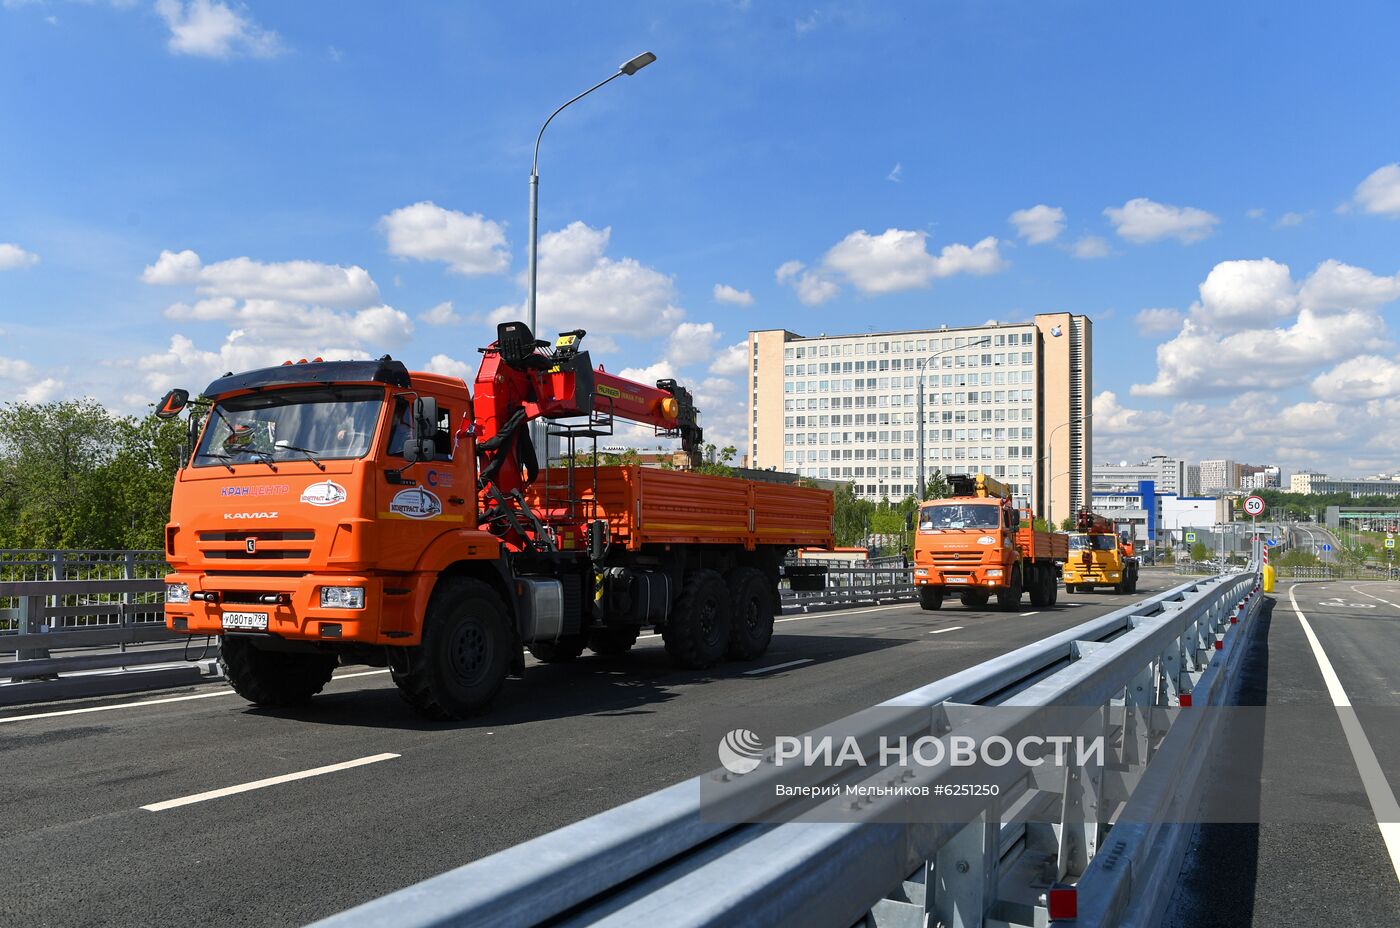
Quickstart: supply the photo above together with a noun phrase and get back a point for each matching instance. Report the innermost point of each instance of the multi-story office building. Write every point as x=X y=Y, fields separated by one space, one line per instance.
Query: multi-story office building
x=1170 y=475
x=1008 y=399
x=1220 y=474
x=1259 y=477
x=1301 y=482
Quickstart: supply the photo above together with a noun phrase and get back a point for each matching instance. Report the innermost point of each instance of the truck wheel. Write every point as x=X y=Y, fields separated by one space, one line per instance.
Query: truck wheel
x=1010 y=598
x=751 y=627
x=930 y=598
x=1054 y=587
x=974 y=599
x=561 y=651
x=273 y=678
x=697 y=633
x=465 y=655
x=611 y=642
x=1042 y=587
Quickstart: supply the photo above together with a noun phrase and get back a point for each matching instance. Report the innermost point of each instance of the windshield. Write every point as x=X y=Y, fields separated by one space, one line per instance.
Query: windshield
x=291 y=425
x=953 y=516
x=1092 y=542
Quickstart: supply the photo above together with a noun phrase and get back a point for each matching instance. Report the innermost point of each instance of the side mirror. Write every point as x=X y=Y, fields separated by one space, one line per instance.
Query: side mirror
x=421 y=445
x=909 y=522
x=172 y=404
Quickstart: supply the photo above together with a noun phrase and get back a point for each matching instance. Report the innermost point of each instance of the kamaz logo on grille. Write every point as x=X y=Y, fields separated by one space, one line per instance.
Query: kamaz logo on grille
x=252 y=545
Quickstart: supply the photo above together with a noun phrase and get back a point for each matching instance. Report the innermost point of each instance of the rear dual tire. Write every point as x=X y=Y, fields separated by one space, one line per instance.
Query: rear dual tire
x=697 y=633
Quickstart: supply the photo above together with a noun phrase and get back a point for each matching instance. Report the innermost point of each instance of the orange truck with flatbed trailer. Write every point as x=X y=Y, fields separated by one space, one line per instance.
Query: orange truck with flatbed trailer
x=977 y=544
x=355 y=512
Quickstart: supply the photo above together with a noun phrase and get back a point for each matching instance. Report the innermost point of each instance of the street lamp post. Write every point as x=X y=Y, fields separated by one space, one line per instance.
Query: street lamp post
x=1050 y=465
x=532 y=271
x=923 y=369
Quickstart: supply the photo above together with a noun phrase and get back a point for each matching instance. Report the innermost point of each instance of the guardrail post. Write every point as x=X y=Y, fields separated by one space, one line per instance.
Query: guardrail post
x=31 y=622
x=1139 y=700
x=962 y=879
x=1080 y=805
x=127 y=615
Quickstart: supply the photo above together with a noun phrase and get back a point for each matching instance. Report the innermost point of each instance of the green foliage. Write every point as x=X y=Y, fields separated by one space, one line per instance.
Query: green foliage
x=716 y=462
x=1199 y=552
x=1067 y=524
x=73 y=475
x=1297 y=558
x=852 y=516
x=1040 y=525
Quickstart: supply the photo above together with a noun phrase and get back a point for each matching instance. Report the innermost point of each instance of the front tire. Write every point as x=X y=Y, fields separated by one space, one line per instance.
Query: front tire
x=751 y=628
x=697 y=634
x=465 y=655
x=930 y=598
x=1009 y=599
x=974 y=599
x=273 y=678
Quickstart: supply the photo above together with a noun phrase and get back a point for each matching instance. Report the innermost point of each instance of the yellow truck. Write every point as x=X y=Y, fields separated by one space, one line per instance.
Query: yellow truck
x=1100 y=555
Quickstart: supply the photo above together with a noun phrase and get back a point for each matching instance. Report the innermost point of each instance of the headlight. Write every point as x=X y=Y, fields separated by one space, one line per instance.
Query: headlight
x=177 y=592
x=987 y=540
x=921 y=572
x=342 y=597
x=1112 y=574
x=994 y=573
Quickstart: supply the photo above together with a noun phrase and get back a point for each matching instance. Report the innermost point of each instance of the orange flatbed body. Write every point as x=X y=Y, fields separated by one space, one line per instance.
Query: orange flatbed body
x=653 y=506
x=1042 y=545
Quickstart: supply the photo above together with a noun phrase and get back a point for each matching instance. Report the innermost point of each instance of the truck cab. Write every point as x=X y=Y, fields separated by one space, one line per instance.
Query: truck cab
x=1100 y=555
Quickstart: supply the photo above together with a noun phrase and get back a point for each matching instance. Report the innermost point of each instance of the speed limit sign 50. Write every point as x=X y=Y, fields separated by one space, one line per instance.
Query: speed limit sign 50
x=1254 y=505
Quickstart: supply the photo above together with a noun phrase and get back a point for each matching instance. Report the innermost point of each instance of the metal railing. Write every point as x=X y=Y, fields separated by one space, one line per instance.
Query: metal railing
x=93 y=604
x=854 y=586
x=661 y=860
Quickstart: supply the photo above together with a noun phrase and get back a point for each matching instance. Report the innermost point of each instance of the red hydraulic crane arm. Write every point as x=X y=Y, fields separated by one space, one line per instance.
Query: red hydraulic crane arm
x=522 y=379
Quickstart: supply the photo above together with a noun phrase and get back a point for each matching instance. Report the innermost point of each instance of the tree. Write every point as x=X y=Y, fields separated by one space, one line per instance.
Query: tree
x=852 y=516
x=1199 y=552
x=1067 y=524
x=716 y=462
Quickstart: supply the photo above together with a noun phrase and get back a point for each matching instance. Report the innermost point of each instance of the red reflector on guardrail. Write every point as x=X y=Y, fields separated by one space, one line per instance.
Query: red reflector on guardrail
x=1185 y=700
x=1219 y=644
x=1063 y=903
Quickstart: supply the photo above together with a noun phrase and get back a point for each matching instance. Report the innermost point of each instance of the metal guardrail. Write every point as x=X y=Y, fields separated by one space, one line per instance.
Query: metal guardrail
x=658 y=860
x=856 y=585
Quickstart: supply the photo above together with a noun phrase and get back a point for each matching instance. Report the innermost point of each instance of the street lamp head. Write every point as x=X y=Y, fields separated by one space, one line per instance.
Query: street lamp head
x=636 y=64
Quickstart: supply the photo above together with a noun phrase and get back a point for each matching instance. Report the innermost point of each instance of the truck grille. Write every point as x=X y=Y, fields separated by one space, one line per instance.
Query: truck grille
x=267 y=545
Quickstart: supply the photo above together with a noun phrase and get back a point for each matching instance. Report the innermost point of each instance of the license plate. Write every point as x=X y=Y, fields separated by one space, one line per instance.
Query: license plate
x=955 y=579
x=256 y=621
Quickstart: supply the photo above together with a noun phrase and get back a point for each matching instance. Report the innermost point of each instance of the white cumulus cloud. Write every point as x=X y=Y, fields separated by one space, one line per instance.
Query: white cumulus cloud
x=581 y=286
x=211 y=29
x=1334 y=285
x=1158 y=321
x=731 y=360
x=441 y=314
x=470 y=245
x=449 y=367
x=692 y=343
x=724 y=293
x=1380 y=192
x=1090 y=246
x=812 y=287
x=1039 y=224
x=899 y=259
x=13 y=257
x=1244 y=293
x=244 y=278
x=1365 y=377
x=1141 y=220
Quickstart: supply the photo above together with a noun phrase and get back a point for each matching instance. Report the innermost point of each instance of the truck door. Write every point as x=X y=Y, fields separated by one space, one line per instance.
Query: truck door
x=426 y=498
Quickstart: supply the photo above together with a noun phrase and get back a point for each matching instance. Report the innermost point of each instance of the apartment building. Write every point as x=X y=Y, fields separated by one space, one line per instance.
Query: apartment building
x=1379 y=485
x=1008 y=399
x=1171 y=476
x=1219 y=474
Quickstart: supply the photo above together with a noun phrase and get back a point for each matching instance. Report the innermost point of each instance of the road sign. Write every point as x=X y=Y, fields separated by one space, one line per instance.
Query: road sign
x=1326 y=547
x=1190 y=538
x=1254 y=505
x=1390 y=542
x=1271 y=542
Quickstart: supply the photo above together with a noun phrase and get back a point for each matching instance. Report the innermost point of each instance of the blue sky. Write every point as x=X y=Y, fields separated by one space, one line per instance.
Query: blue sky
x=1228 y=166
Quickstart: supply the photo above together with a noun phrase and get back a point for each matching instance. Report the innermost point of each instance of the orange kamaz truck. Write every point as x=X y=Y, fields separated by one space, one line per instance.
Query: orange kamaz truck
x=338 y=512
x=1101 y=554
x=977 y=544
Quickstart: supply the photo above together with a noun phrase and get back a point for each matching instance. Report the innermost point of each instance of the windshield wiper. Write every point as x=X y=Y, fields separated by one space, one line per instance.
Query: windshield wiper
x=310 y=455
x=264 y=456
x=217 y=457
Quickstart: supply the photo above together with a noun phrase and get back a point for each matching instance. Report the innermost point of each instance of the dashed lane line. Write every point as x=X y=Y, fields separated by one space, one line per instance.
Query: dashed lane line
x=805 y=660
x=1378 y=791
x=939 y=631
x=262 y=784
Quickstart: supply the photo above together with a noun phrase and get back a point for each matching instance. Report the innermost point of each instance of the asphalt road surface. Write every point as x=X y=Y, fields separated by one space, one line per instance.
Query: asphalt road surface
x=1311 y=538
x=107 y=822
x=1335 y=643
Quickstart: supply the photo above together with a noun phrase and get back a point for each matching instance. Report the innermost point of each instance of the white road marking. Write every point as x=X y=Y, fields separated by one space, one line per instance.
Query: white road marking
x=158 y=702
x=805 y=660
x=939 y=631
x=832 y=614
x=1376 y=598
x=1024 y=614
x=270 y=781
x=1373 y=778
